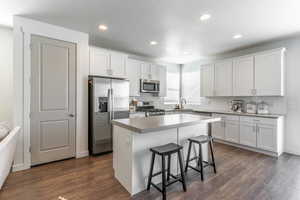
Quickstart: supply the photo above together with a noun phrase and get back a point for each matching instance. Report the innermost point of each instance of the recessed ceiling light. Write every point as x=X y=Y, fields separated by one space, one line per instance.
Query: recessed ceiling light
x=237 y=36
x=102 y=27
x=205 y=17
x=153 y=43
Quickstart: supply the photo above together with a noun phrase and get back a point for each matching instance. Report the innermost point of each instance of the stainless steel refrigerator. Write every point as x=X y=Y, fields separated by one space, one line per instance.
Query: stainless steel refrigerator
x=108 y=100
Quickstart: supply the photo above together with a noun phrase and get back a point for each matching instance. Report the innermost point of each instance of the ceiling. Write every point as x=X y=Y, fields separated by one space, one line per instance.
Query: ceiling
x=174 y=24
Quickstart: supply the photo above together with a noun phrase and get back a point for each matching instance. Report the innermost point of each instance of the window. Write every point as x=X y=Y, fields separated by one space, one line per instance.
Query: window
x=191 y=83
x=173 y=84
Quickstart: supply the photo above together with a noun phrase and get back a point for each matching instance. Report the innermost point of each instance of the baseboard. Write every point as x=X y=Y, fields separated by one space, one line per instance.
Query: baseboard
x=297 y=153
x=82 y=154
x=269 y=153
x=20 y=167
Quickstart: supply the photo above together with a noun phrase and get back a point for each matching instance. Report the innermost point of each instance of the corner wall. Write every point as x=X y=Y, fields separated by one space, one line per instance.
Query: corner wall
x=6 y=74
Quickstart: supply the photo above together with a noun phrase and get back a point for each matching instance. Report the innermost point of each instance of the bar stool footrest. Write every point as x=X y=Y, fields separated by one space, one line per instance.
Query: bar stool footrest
x=156 y=187
x=194 y=168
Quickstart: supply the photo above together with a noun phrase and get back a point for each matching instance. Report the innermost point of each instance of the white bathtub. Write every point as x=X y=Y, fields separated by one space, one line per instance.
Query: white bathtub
x=7 y=152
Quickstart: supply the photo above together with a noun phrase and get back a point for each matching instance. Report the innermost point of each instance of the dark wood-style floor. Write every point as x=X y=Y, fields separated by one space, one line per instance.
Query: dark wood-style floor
x=241 y=175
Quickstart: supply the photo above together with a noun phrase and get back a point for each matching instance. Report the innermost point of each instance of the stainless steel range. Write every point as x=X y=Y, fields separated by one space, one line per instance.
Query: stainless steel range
x=150 y=110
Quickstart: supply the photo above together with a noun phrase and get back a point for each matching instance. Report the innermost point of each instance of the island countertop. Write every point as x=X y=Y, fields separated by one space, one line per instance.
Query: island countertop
x=162 y=122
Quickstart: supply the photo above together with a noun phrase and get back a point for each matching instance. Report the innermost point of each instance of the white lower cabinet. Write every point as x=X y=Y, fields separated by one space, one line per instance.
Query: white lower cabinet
x=248 y=134
x=266 y=137
x=232 y=130
x=218 y=128
x=263 y=134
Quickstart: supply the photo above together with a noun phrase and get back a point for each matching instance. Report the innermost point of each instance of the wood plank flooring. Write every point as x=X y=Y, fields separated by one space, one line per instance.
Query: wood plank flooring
x=242 y=175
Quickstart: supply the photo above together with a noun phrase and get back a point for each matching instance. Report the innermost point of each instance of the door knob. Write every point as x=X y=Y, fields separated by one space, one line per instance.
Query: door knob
x=71 y=115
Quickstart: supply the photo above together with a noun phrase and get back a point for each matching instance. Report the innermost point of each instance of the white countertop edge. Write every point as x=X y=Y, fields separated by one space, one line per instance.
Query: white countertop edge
x=239 y=113
x=166 y=127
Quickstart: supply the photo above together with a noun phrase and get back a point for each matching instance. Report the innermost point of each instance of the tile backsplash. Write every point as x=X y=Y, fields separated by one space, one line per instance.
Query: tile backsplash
x=277 y=105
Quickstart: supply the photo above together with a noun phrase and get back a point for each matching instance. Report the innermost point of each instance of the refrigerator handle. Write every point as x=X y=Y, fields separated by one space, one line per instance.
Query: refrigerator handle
x=109 y=103
x=112 y=103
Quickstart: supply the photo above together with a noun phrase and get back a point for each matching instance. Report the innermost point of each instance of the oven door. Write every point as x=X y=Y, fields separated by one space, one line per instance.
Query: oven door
x=149 y=86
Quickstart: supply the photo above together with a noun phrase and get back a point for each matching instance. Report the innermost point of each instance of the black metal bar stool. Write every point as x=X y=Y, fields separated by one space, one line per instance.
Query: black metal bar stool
x=166 y=151
x=202 y=139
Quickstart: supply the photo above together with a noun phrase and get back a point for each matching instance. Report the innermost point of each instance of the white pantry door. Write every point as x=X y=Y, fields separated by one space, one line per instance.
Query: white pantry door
x=53 y=79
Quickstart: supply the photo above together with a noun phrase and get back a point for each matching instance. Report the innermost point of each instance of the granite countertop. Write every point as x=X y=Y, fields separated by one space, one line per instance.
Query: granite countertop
x=238 y=113
x=162 y=122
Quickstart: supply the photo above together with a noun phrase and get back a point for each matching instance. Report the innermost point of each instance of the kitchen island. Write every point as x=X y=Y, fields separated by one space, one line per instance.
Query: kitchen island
x=132 y=139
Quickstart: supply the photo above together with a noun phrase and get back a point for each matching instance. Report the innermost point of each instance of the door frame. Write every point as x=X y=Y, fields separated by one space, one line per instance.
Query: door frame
x=23 y=30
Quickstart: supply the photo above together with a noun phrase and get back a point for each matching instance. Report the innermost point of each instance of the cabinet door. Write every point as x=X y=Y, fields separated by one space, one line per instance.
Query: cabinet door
x=146 y=71
x=134 y=74
x=266 y=137
x=218 y=128
x=248 y=134
x=163 y=81
x=269 y=73
x=232 y=131
x=118 y=64
x=243 y=76
x=99 y=62
x=154 y=72
x=223 y=78
x=207 y=80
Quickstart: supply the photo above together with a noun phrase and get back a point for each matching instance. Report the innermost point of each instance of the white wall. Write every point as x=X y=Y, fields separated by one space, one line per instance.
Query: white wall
x=23 y=29
x=6 y=74
x=290 y=104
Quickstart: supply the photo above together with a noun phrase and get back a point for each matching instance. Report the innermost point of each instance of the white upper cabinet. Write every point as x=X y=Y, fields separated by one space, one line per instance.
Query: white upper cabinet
x=162 y=73
x=134 y=75
x=269 y=73
x=107 y=63
x=154 y=72
x=146 y=70
x=223 y=78
x=207 y=80
x=99 y=61
x=243 y=76
x=118 y=64
x=150 y=71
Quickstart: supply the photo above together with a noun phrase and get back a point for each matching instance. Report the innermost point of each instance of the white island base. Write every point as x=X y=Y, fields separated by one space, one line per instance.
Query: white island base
x=131 y=156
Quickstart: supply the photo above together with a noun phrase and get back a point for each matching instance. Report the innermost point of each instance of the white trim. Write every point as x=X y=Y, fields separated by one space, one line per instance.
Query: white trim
x=297 y=153
x=20 y=167
x=82 y=154
x=23 y=29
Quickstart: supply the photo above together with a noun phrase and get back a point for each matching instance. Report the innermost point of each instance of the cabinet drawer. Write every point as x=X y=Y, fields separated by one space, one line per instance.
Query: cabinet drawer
x=227 y=117
x=258 y=120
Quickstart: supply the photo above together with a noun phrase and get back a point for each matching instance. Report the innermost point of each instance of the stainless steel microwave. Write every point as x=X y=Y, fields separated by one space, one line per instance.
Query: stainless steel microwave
x=149 y=86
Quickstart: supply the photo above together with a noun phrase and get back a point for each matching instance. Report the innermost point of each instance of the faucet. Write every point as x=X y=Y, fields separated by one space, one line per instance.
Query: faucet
x=182 y=101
